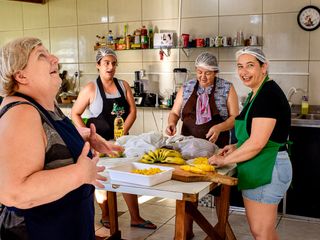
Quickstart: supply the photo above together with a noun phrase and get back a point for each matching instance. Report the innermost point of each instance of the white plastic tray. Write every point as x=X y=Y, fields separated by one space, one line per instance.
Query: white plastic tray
x=123 y=174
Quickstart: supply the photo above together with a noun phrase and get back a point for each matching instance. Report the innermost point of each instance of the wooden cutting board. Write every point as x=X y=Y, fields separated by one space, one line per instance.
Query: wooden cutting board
x=184 y=176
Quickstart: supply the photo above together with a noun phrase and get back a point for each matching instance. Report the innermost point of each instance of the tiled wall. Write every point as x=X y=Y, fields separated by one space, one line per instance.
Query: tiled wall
x=68 y=28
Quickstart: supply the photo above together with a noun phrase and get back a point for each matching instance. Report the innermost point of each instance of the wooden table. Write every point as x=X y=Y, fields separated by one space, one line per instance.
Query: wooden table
x=186 y=195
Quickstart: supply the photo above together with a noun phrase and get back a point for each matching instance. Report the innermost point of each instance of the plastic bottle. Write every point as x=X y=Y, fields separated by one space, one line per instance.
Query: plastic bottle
x=304 y=105
x=144 y=37
x=110 y=37
x=150 y=42
x=118 y=128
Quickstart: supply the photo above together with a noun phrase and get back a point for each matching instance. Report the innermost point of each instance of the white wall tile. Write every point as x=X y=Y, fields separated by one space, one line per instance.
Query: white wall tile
x=314 y=44
x=159 y=9
x=62 y=13
x=87 y=38
x=199 y=8
x=236 y=7
x=35 y=15
x=248 y=24
x=89 y=12
x=124 y=10
x=64 y=44
x=163 y=25
x=200 y=27
x=314 y=87
x=283 y=39
x=190 y=55
x=11 y=16
x=8 y=36
x=276 y=6
x=152 y=55
x=42 y=34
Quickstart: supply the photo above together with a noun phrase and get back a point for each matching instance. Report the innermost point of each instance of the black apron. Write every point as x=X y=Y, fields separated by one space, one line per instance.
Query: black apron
x=104 y=123
x=189 y=127
x=72 y=216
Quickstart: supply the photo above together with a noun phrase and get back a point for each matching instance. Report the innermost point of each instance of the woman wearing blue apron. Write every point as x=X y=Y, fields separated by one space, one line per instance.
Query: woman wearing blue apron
x=262 y=129
x=98 y=97
x=47 y=172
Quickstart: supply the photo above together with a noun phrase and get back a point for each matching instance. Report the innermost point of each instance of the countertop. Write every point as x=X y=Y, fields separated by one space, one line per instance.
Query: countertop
x=69 y=105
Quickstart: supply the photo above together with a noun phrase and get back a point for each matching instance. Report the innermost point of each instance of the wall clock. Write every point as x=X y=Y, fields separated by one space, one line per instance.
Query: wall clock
x=309 y=18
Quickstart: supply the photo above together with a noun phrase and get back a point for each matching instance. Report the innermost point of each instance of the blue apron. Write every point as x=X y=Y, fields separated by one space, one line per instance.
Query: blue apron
x=72 y=216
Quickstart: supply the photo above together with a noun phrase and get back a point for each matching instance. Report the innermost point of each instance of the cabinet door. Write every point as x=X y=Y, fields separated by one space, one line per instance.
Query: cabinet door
x=137 y=127
x=152 y=120
x=305 y=152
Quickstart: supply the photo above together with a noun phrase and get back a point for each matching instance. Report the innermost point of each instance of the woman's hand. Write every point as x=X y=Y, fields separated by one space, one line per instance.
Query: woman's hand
x=171 y=129
x=100 y=144
x=213 y=134
x=217 y=160
x=227 y=150
x=89 y=169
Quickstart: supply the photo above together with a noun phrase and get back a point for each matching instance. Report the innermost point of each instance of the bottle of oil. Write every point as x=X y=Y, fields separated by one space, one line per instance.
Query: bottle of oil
x=118 y=127
x=118 y=121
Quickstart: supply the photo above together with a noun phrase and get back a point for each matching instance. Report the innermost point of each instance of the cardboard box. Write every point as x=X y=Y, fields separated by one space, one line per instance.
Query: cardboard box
x=163 y=40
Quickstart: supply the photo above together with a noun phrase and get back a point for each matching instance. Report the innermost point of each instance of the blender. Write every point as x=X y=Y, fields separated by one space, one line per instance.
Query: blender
x=138 y=89
x=179 y=77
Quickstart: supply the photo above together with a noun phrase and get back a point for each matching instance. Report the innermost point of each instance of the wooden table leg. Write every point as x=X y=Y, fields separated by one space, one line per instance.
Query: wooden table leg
x=113 y=216
x=180 y=227
x=223 y=227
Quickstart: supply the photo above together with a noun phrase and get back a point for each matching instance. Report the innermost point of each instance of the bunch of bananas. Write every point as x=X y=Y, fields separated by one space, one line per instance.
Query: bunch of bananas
x=163 y=155
x=198 y=168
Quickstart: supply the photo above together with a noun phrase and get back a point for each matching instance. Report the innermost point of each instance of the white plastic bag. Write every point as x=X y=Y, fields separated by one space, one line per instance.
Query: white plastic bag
x=191 y=147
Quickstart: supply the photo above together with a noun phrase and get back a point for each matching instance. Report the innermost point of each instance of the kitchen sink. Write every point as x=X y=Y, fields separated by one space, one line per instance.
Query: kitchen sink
x=310 y=116
x=311 y=119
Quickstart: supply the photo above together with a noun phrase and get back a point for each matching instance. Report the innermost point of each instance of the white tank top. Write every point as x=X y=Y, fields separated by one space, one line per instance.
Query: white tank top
x=95 y=108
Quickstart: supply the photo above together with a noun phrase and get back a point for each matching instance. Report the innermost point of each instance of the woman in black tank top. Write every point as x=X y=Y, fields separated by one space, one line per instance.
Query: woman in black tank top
x=107 y=84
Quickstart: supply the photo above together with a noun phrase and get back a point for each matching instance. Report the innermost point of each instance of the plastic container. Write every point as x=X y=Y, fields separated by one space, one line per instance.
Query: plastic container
x=123 y=174
x=304 y=105
x=144 y=37
x=118 y=127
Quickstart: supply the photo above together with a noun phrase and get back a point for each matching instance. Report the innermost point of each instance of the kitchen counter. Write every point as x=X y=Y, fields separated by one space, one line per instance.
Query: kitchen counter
x=69 y=105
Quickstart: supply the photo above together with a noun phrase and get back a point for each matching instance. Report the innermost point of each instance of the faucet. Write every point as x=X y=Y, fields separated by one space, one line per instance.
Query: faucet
x=292 y=91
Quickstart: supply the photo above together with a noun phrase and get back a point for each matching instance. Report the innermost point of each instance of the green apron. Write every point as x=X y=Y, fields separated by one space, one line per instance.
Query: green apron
x=256 y=171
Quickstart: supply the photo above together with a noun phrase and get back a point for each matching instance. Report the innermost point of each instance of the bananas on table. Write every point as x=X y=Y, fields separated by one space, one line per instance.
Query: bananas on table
x=163 y=155
x=201 y=168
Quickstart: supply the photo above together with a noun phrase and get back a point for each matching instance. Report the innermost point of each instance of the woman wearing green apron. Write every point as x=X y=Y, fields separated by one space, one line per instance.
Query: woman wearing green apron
x=262 y=129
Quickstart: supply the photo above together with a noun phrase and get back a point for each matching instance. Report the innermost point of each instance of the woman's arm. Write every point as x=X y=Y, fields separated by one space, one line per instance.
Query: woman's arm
x=174 y=114
x=133 y=109
x=233 y=111
x=261 y=131
x=23 y=182
x=83 y=101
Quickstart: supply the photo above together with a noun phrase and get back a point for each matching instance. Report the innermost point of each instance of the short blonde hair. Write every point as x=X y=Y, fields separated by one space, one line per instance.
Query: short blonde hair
x=14 y=57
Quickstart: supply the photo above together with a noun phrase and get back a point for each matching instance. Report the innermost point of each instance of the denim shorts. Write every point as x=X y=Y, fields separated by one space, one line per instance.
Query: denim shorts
x=273 y=192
